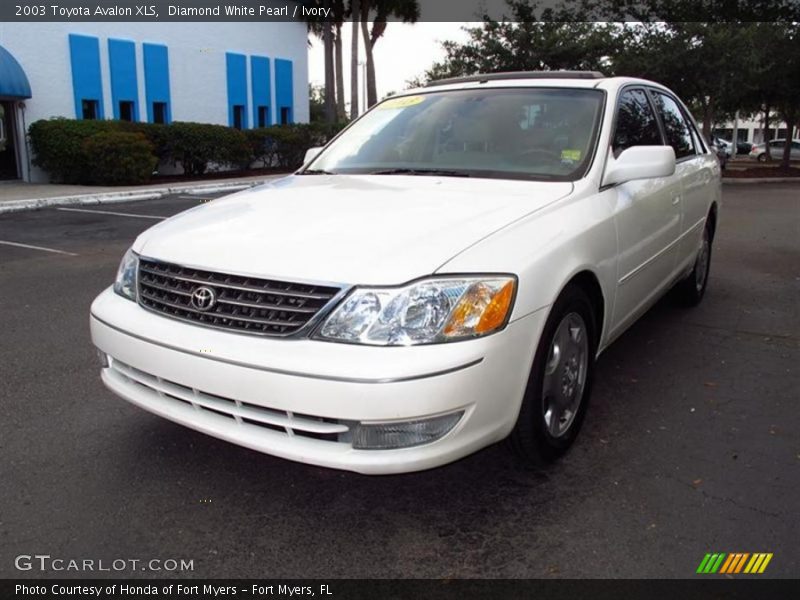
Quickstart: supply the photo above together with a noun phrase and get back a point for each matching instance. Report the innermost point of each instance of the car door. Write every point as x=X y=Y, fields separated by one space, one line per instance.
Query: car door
x=647 y=214
x=694 y=168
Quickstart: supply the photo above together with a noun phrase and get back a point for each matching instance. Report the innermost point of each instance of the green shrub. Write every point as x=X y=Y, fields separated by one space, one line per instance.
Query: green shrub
x=285 y=145
x=118 y=158
x=196 y=145
x=156 y=133
x=59 y=146
x=259 y=149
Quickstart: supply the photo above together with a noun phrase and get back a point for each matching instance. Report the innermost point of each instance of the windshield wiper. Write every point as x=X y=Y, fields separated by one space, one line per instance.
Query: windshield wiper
x=316 y=172
x=405 y=171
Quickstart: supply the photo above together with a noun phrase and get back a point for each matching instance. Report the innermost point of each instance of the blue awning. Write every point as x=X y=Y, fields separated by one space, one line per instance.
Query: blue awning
x=13 y=82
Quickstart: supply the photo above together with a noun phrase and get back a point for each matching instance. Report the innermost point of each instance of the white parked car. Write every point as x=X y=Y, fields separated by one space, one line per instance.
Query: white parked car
x=441 y=276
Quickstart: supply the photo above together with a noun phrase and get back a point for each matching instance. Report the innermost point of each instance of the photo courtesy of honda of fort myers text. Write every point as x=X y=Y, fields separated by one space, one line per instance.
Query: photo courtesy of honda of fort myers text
x=409 y=299
x=132 y=589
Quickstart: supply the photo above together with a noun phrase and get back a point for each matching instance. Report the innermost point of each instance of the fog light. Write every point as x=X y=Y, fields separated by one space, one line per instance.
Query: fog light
x=103 y=358
x=403 y=434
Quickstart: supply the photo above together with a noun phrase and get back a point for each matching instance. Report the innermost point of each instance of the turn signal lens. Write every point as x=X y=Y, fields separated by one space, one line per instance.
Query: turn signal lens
x=482 y=309
x=495 y=314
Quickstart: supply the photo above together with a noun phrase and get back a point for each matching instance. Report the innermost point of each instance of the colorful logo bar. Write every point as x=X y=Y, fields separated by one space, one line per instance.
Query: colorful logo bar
x=737 y=562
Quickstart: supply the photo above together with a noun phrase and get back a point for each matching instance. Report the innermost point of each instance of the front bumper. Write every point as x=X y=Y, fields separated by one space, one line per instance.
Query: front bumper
x=301 y=390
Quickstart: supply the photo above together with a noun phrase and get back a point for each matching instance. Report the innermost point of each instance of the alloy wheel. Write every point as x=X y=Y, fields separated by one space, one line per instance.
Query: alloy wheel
x=565 y=374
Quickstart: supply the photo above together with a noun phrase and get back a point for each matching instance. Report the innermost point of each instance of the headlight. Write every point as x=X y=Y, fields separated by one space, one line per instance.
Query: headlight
x=125 y=284
x=424 y=312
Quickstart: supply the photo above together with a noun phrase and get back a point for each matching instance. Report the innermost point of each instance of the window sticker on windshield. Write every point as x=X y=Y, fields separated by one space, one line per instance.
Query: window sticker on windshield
x=401 y=102
x=572 y=155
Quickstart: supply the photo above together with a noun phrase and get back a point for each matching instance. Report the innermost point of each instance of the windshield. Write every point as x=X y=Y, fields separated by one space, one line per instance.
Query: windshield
x=512 y=133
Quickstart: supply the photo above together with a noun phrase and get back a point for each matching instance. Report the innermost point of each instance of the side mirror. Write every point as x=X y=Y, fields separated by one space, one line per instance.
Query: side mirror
x=640 y=162
x=311 y=154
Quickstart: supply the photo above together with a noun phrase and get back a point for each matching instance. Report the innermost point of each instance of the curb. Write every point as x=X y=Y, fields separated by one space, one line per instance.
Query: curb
x=128 y=195
x=747 y=181
x=234 y=186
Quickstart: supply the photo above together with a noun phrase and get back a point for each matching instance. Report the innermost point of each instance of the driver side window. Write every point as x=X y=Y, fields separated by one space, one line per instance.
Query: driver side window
x=636 y=123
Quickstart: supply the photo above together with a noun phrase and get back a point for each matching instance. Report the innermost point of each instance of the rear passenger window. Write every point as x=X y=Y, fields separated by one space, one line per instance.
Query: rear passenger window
x=636 y=123
x=676 y=128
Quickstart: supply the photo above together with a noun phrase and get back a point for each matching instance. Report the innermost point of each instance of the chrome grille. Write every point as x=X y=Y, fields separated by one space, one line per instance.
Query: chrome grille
x=244 y=304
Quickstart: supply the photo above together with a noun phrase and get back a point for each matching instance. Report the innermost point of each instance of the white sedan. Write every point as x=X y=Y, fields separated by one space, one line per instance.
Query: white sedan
x=440 y=277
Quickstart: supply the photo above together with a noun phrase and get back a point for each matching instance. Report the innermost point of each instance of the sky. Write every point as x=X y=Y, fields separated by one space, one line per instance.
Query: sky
x=404 y=52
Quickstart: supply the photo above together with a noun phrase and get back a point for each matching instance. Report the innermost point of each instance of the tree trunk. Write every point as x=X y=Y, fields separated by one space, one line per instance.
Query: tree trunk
x=327 y=38
x=340 y=110
x=708 y=118
x=372 y=92
x=788 y=117
x=766 y=132
x=356 y=10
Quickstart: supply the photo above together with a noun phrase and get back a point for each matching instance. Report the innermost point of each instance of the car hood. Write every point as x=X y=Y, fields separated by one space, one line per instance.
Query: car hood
x=351 y=229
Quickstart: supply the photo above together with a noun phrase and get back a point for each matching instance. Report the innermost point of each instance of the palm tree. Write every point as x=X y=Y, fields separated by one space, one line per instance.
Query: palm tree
x=339 y=12
x=407 y=11
x=355 y=13
x=322 y=28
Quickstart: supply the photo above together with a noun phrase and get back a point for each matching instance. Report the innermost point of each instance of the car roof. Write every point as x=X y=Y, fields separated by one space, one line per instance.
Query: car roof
x=545 y=79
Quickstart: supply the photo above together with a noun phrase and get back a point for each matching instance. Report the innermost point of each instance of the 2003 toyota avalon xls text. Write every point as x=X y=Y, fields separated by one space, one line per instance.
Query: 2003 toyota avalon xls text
x=441 y=276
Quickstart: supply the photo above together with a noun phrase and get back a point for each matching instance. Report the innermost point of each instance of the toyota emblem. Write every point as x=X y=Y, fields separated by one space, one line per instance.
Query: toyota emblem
x=204 y=298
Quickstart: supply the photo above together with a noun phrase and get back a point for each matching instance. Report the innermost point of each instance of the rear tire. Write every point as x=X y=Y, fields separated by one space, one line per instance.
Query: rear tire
x=560 y=382
x=692 y=288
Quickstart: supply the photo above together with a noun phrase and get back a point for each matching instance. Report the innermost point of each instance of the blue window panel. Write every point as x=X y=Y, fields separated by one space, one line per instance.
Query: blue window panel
x=284 y=91
x=236 y=68
x=156 y=79
x=124 y=86
x=261 y=77
x=87 y=82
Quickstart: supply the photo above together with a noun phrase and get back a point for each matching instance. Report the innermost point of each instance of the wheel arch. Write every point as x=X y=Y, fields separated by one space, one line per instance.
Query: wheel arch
x=587 y=280
x=712 y=217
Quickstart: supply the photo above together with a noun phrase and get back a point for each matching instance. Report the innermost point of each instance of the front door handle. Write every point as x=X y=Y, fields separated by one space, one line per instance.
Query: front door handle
x=675 y=200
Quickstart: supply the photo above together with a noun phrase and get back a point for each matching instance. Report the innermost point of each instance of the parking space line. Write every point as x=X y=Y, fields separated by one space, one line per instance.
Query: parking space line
x=108 y=212
x=17 y=244
x=184 y=197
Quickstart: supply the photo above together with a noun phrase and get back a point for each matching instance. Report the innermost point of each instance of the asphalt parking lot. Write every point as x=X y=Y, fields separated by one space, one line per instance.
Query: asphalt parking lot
x=691 y=444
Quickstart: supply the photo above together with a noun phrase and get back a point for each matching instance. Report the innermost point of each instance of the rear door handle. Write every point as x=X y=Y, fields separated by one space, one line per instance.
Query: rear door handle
x=676 y=199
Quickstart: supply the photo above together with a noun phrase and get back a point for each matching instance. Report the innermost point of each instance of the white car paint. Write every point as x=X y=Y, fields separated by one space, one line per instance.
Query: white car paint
x=634 y=238
x=280 y=229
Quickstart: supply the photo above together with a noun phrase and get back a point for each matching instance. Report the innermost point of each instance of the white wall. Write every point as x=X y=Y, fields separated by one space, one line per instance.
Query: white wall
x=198 y=83
x=754 y=128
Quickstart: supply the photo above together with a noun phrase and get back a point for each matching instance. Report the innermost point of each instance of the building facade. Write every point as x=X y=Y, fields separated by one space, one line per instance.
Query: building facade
x=751 y=130
x=243 y=75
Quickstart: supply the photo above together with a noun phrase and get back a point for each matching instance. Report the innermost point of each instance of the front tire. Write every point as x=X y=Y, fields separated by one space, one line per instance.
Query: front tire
x=560 y=381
